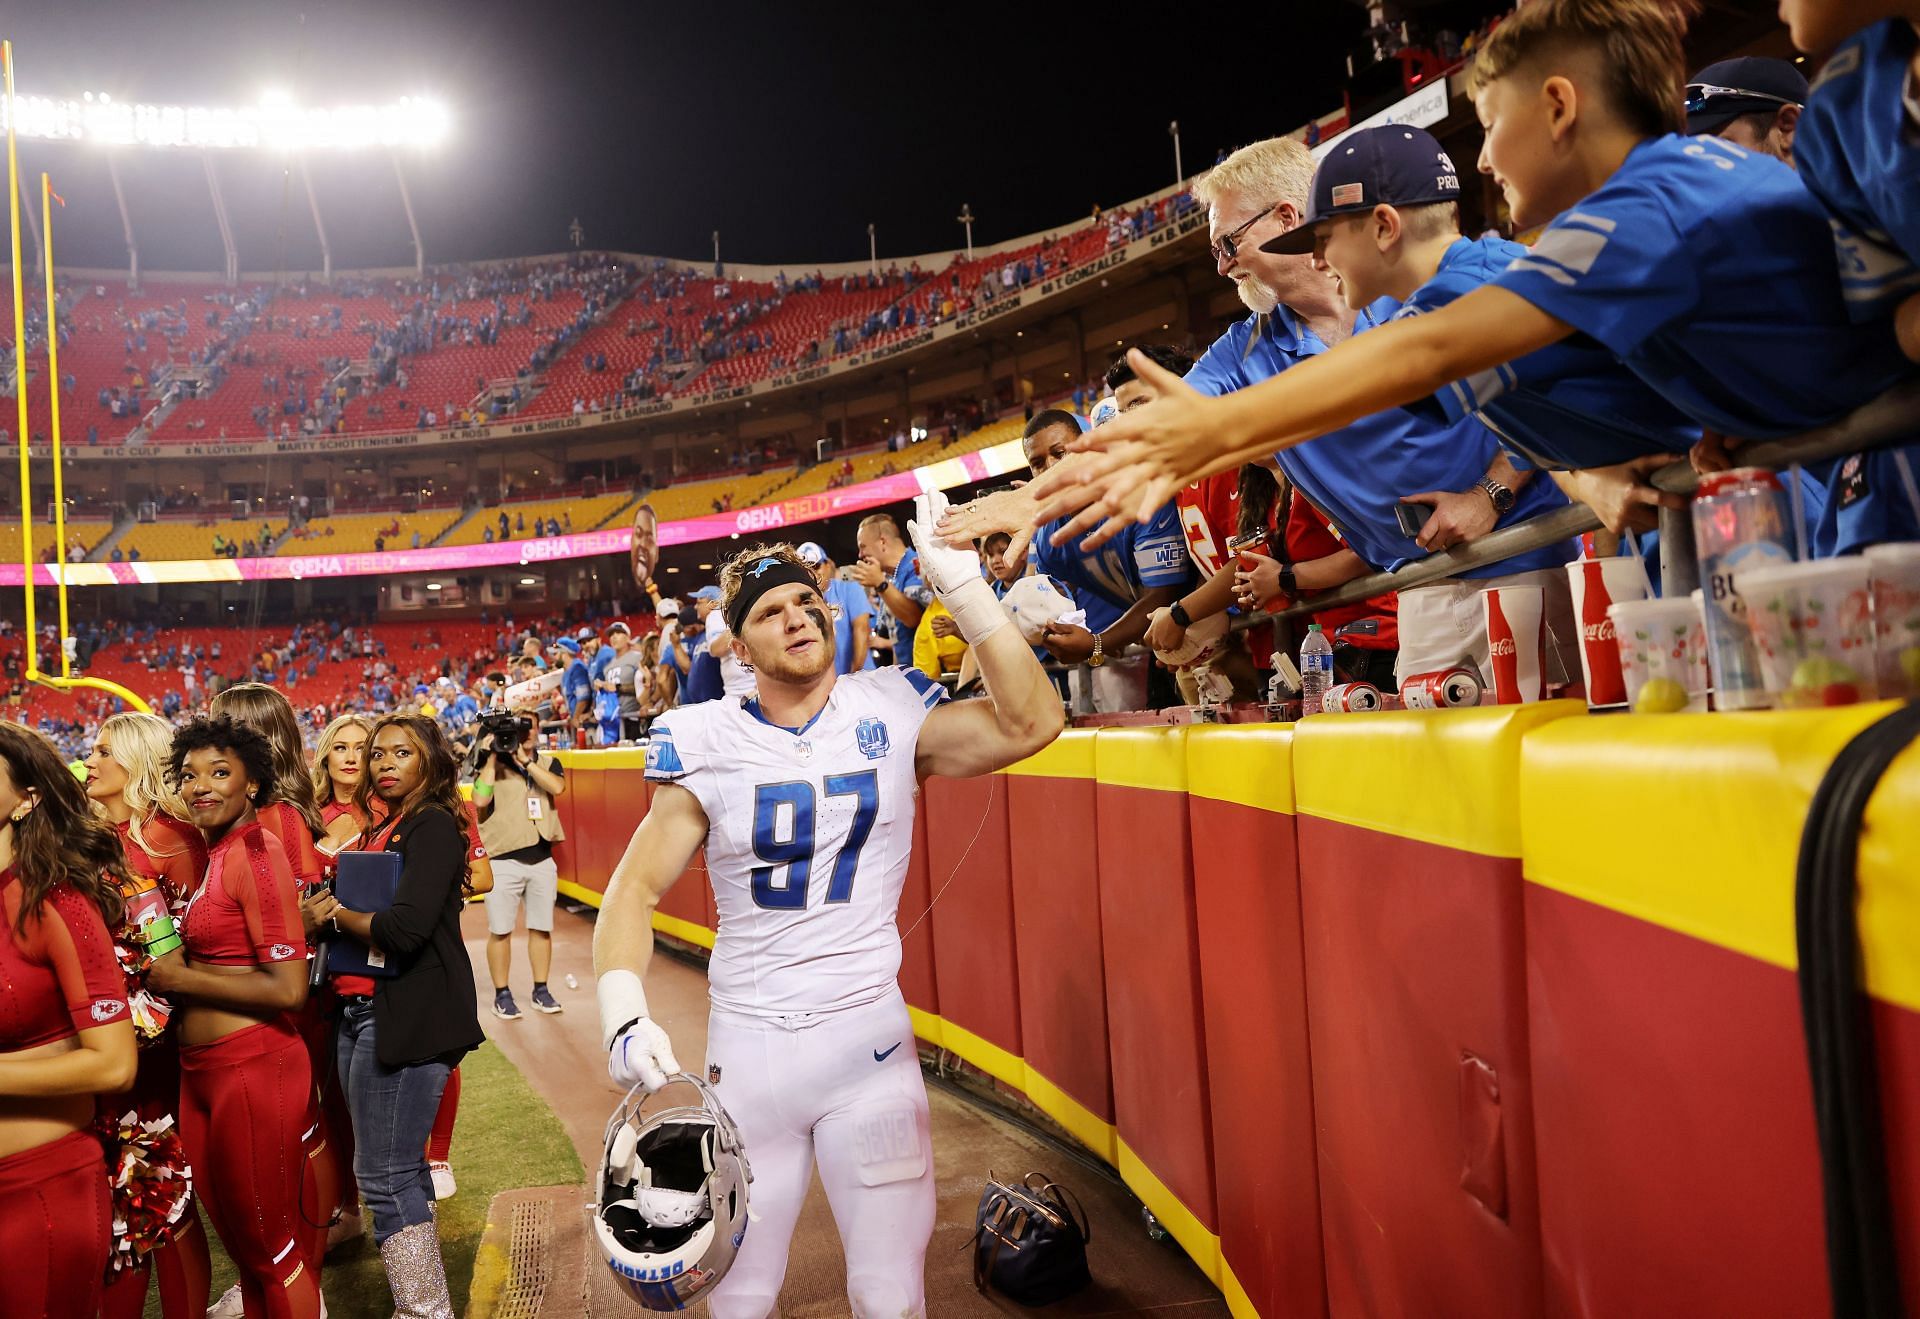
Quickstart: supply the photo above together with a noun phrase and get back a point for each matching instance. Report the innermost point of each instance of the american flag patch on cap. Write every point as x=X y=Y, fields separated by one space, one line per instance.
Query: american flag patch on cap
x=1349 y=194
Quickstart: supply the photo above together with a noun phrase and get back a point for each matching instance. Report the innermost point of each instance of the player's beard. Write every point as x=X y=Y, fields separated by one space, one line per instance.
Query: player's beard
x=779 y=666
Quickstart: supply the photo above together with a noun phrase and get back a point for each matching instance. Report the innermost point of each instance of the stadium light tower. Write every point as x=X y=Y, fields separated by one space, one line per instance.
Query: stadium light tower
x=1179 y=174
x=966 y=217
x=873 y=249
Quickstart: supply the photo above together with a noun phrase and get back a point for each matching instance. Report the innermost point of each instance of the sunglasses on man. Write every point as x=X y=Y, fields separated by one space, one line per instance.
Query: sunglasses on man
x=1227 y=246
x=1702 y=95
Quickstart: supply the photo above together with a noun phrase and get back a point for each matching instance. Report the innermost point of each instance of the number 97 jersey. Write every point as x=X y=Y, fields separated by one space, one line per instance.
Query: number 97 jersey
x=809 y=835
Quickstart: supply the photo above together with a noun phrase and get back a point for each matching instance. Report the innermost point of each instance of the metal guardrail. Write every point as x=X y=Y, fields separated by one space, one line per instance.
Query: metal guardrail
x=1893 y=418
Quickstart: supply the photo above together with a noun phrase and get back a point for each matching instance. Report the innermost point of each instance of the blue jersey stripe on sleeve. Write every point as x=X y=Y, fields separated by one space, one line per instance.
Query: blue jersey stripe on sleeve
x=930 y=692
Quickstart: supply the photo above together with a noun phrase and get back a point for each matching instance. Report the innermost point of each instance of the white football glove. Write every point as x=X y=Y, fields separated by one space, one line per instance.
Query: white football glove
x=954 y=574
x=638 y=1051
x=641 y=1055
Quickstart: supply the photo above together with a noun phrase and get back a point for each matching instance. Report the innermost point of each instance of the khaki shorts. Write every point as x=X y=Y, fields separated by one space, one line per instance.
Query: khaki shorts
x=514 y=881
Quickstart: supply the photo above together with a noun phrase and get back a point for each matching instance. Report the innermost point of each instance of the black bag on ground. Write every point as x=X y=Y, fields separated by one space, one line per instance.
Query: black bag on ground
x=1030 y=1241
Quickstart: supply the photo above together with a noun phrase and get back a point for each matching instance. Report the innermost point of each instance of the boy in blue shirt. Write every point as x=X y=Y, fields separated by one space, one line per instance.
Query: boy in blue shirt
x=1702 y=266
x=1858 y=151
x=1385 y=221
x=1119 y=585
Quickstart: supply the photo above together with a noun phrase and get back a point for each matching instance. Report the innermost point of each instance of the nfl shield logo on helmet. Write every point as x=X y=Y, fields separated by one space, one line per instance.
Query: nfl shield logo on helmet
x=871 y=734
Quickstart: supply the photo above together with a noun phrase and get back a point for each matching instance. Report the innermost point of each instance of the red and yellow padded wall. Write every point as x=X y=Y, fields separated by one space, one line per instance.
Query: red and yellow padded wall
x=1469 y=1013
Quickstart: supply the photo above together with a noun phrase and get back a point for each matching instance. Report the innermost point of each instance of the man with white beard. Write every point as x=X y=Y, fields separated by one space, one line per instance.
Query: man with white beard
x=1454 y=475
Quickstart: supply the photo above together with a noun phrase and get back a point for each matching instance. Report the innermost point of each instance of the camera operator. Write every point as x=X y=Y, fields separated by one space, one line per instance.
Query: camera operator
x=514 y=796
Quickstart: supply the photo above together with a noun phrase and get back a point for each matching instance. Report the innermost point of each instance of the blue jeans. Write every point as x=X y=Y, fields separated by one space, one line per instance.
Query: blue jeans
x=393 y=1110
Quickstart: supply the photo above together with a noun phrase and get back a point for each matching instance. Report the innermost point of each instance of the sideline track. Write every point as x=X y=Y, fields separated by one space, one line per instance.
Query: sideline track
x=561 y=1059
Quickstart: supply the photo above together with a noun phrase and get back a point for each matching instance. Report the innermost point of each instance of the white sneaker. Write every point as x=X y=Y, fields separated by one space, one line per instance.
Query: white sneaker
x=443 y=1183
x=344 y=1228
x=229 y=1306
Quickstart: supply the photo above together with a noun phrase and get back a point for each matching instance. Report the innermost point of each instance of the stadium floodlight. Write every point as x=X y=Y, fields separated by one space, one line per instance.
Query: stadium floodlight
x=274 y=123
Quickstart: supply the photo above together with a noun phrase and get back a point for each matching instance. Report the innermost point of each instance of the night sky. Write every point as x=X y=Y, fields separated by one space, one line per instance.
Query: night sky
x=787 y=127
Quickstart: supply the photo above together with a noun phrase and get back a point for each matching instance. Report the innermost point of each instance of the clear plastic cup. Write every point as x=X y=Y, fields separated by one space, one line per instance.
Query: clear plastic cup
x=1895 y=572
x=1663 y=653
x=1813 y=627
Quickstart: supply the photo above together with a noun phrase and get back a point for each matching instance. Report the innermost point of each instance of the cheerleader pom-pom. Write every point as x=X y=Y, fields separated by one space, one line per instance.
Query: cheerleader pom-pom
x=151 y=1184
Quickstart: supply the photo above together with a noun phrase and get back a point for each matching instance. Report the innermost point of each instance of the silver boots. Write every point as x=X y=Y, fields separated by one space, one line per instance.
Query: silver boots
x=415 y=1273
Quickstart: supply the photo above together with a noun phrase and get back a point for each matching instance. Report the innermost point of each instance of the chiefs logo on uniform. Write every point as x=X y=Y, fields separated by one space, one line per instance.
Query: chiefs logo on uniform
x=106 y=1009
x=280 y=952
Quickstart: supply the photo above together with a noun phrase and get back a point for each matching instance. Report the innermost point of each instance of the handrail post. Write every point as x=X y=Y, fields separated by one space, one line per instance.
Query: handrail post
x=1679 y=564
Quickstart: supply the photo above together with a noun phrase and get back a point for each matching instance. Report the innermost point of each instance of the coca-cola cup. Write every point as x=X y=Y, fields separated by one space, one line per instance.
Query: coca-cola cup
x=1598 y=584
x=1516 y=642
x=1663 y=653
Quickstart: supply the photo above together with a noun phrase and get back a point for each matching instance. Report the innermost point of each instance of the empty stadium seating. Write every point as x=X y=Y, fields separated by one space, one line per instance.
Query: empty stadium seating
x=581 y=514
x=360 y=533
x=90 y=531
x=186 y=539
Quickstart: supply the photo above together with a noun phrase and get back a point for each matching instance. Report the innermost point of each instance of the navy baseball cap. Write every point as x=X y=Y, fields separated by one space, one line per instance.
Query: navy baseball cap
x=1391 y=165
x=1721 y=93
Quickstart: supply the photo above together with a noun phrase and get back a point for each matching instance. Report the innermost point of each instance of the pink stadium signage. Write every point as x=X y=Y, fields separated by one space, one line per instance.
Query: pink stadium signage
x=760 y=520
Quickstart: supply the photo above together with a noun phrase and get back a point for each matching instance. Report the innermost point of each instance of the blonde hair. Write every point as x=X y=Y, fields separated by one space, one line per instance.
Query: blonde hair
x=268 y=712
x=1635 y=44
x=322 y=778
x=734 y=570
x=1279 y=169
x=1430 y=220
x=141 y=744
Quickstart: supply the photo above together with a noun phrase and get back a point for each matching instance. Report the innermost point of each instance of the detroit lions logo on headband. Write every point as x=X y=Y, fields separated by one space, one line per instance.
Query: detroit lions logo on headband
x=765 y=575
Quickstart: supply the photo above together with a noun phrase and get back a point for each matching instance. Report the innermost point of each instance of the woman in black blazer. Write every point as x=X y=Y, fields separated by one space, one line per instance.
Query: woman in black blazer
x=401 y=1034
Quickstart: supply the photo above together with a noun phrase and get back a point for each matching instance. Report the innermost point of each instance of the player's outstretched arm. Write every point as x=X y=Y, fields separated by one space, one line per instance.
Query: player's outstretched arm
x=1023 y=711
x=1021 y=714
x=1146 y=455
x=656 y=856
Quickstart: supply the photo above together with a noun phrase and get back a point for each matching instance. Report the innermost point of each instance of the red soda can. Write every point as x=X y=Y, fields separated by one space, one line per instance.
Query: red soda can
x=1447 y=689
x=1245 y=548
x=580 y=738
x=1350 y=698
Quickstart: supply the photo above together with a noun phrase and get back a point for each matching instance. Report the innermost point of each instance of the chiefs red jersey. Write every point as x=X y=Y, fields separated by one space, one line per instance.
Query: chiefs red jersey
x=1210 y=517
x=1372 y=624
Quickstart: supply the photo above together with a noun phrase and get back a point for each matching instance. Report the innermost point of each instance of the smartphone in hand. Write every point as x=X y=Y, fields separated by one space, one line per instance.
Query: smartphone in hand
x=1412 y=517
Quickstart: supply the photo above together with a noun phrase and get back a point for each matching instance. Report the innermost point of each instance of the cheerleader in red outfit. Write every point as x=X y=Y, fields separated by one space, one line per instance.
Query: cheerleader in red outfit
x=338 y=770
x=246 y=1086
x=291 y=815
x=127 y=783
x=65 y=1037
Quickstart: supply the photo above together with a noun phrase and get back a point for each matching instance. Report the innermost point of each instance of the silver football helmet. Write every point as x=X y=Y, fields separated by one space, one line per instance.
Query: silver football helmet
x=670 y=1209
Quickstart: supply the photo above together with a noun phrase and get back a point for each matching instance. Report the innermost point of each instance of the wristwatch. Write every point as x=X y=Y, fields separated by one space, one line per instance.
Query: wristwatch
x=1501 y=496
x=1289 y=585
x=1178 y=611
x=1099 y=655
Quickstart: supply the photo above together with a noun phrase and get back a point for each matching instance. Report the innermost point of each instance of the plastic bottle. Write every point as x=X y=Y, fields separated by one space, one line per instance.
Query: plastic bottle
x=1316 y=669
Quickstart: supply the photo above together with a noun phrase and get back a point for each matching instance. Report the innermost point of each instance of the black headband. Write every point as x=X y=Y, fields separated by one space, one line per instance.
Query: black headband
x=762 y=577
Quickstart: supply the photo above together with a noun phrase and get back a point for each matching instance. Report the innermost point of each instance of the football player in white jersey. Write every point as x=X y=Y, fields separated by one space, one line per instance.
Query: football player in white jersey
x=803 y=796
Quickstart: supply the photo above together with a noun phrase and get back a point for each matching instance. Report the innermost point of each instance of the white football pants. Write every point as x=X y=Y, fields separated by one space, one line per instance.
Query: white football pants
x=844 y=1089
